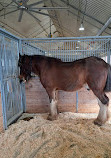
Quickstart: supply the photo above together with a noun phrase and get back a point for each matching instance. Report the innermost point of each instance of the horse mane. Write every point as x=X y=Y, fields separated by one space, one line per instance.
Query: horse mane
x=47 y=58
x=42 y=57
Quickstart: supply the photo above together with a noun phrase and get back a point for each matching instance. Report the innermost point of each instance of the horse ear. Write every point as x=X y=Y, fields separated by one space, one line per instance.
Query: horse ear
x=20 y=55
x=20 y=59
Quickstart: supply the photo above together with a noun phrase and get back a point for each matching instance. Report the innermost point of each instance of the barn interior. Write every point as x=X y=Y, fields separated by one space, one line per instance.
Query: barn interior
x=39 y=19
x=64 y=29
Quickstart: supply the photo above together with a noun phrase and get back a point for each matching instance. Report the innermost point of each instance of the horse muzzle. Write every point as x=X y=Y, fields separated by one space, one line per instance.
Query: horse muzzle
x=22 y=79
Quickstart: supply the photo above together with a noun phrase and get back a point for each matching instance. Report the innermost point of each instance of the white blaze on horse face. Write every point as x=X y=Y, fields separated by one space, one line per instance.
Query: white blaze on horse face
x=24 y=81
x=103 y=112
x=53 y=107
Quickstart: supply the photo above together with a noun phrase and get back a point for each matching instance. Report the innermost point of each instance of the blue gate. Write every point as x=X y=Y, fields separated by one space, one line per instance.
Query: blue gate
x=69 y=48
x=11 y=90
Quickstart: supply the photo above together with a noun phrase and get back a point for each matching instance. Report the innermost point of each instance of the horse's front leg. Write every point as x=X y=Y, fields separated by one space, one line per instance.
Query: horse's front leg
x=53 y=110
x=53 y=104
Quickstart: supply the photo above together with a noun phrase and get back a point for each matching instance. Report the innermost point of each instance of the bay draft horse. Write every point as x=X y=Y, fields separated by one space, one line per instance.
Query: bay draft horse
x=69 y=76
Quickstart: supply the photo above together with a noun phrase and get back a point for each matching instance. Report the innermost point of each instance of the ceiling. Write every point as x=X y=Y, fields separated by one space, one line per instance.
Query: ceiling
x=64 y=22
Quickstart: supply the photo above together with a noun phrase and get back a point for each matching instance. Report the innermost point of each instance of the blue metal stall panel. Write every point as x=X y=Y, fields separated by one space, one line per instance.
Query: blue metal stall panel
x=11 y=90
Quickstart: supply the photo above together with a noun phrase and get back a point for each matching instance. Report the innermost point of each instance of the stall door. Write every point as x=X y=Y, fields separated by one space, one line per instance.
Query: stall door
x=12 y=101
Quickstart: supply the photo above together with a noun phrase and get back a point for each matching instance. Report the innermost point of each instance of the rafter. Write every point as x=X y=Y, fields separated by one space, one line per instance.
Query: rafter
x=33 y=16
x=9 y=12
x=83 y=13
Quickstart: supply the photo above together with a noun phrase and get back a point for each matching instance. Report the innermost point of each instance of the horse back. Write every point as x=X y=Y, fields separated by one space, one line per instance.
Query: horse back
x=68 y=76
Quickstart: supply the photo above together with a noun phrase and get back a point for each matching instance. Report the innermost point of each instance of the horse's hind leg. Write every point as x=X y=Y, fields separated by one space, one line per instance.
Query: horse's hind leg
x=103 y=112
x=53 y=104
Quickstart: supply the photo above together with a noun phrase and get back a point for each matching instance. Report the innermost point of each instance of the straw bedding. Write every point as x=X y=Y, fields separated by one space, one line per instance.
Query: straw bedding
x=71 y=136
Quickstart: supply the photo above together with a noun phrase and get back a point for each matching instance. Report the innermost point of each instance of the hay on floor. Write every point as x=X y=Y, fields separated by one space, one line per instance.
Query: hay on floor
x=71 y=136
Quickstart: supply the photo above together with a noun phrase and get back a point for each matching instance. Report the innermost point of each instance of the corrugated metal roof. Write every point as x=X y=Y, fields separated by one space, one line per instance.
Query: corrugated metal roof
x=93 y=13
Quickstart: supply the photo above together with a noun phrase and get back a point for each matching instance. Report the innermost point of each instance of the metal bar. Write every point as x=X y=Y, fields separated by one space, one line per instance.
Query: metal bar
x=33 y=16
x=16 y=2
x=67 y=38
x=20 y=15
x=65 y=51
x=23 y=96
x=15 y=117
x=36 y=3
x=94 y=49
x=3 y=103
x=73 y=49
x=9 y=12
x=51 y=8
x=2 y=89
x=20 y=47
x=105 y=52
x=22 y=86
x=67 y=54
x=6 y=6
x=104 y=27
x=40 y=13
x=108 y=56
x=59 y=22
x=7 y=34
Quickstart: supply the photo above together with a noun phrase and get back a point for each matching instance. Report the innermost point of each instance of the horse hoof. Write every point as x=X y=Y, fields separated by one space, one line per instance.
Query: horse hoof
x=52 y=118
x=98 y=123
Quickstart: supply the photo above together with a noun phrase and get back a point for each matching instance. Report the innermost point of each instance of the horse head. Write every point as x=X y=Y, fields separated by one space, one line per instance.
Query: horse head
x=25 y=68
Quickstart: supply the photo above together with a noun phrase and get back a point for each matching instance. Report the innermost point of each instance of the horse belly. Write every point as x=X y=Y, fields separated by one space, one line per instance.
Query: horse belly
x=72 y=87
x=71 y=84
x=67 y=78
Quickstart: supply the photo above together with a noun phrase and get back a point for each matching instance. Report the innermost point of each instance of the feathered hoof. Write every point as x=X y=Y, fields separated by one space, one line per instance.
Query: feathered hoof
x=98 y=122
x=52 y=118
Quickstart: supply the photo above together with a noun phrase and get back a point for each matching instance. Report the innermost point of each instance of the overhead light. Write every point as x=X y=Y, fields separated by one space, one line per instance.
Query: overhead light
x=81 y=27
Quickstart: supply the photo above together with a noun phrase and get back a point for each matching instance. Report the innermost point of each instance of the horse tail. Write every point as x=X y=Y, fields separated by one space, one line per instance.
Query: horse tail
x=108 y=81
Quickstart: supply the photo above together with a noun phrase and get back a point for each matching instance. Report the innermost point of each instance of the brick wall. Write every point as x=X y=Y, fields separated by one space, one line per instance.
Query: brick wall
x=37 y=99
